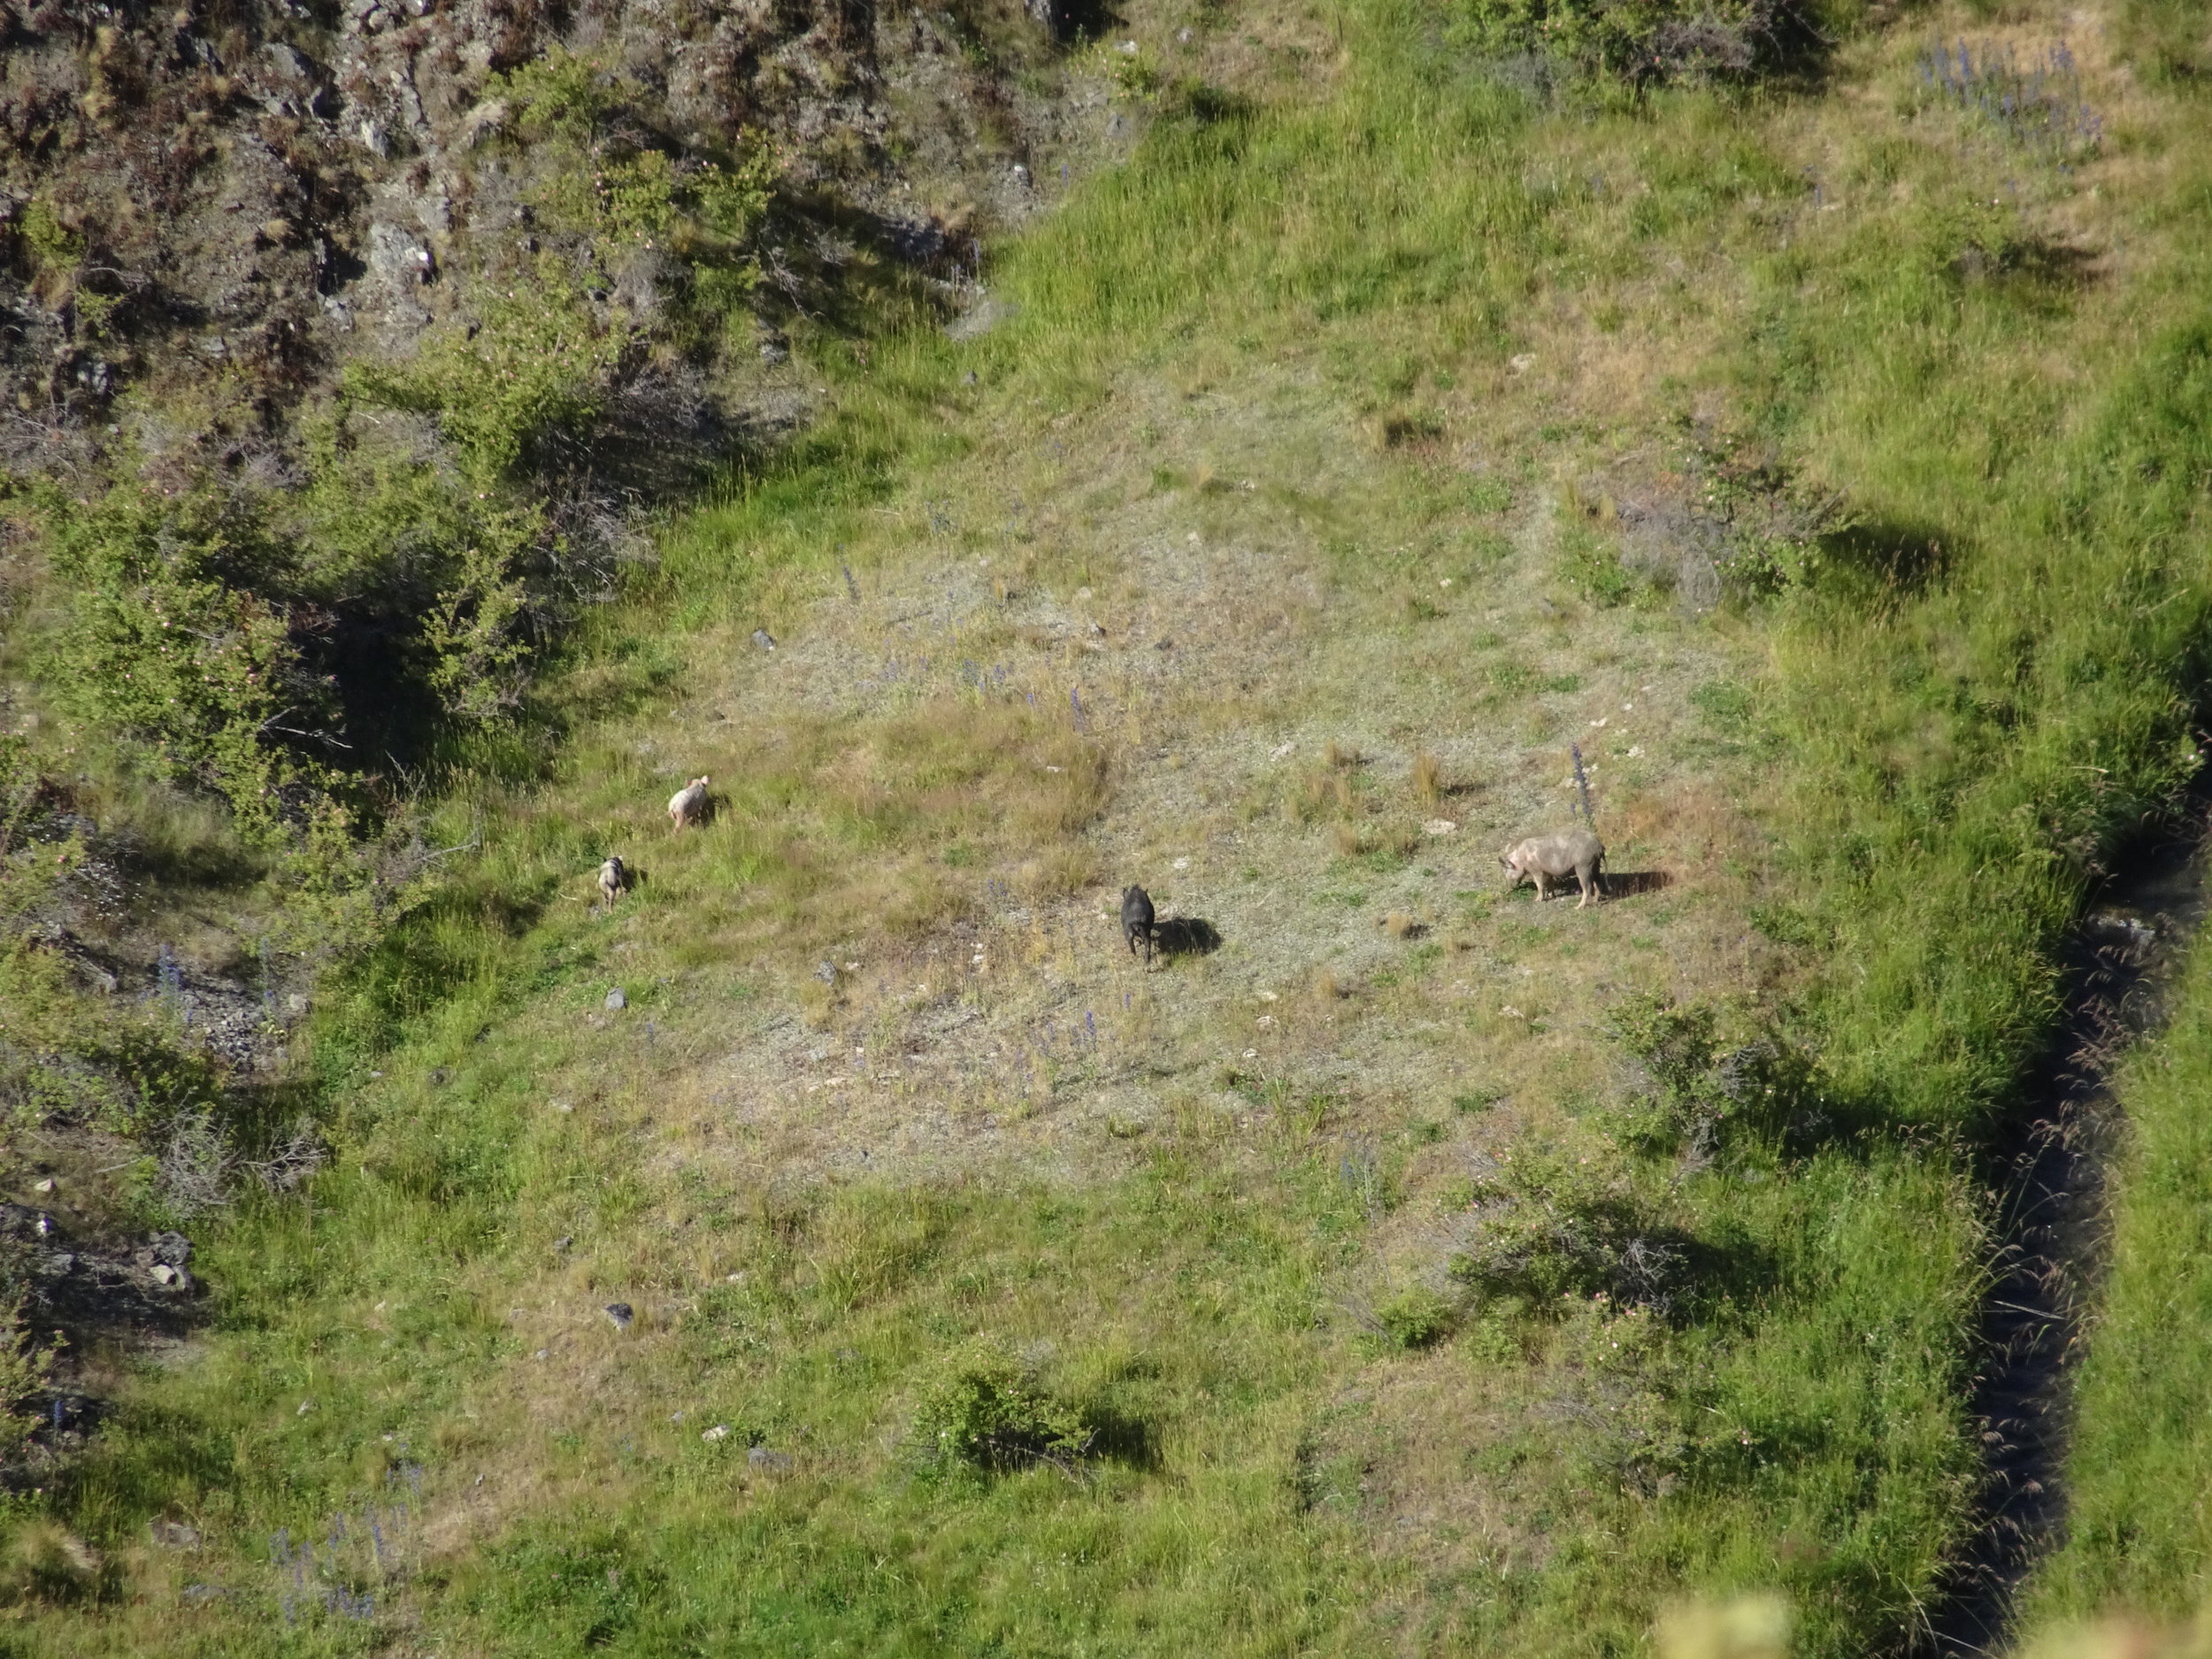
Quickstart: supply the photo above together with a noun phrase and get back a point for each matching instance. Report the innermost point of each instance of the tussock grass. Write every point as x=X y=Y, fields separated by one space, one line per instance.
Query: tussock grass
x=1427 y=779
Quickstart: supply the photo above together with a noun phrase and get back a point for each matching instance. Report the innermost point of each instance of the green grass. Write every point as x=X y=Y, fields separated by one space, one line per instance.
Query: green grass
x=2135 y=1472
x=1968 y=698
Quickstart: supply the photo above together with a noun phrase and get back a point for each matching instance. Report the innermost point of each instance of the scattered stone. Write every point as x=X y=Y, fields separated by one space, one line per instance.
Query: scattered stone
x=296 y=1003
x=175 y=1535
x=1282 y=749
x=764 y=640
x=46 y=1185
x=767 y=1462
x=164 y=1274
x=826 y=973
x=1440 y=826
x=562 y=1243
x=306 y=1406
x=616 y=1000
x=541 y=1353
x=621 y=1313
x=719 y=1432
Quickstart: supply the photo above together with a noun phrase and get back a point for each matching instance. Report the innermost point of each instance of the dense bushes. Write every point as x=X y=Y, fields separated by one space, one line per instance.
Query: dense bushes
x=1649 y=39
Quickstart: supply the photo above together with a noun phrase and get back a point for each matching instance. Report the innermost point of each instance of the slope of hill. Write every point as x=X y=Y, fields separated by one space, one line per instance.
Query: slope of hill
x=842 y=1239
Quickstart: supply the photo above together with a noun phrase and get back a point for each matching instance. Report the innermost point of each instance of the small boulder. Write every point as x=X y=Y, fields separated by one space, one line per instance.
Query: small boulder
x=621 y=1313
x=769 y=1463
x=616 y=1000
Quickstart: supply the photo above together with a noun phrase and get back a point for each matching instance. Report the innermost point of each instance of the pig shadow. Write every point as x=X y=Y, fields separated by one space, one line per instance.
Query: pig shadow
x=1186 y=936
x=1626 y=883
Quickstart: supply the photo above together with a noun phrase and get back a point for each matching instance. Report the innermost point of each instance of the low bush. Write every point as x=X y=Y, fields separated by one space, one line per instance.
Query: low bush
x=1542 y=1230
x=989 y=1414
x=1645 y=41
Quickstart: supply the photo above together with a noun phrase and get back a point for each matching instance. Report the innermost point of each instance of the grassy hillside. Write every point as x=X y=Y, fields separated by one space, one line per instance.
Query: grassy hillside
x=1399 y=1265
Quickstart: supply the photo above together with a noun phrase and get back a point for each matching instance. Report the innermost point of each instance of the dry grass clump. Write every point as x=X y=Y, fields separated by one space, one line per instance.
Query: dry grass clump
x=1322 y=793
x=45 y=1561
x=1351 y=841
x=1325 y=989
x=1340 y=755
x=1404 y=924
x=1428 y=779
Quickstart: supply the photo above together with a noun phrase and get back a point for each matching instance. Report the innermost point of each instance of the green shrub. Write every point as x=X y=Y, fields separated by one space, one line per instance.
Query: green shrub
x=1640 y=41
x=1543 y=1229
x=1417 y=1317
x=1698 y=1087
x=1591 y=565
x=988 y=1413
x=179 y=641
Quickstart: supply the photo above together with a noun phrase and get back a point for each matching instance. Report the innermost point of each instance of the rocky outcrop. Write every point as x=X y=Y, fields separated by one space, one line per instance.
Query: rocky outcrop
x=205 y=215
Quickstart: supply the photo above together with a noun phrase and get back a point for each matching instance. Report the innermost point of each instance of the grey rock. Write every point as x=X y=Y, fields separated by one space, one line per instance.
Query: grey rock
x=172 y=1249
x=621 y=1313
x=562 y=1243
x=764 y=640
x=769 y=1463
x=616 y=1000
x=174 y=1535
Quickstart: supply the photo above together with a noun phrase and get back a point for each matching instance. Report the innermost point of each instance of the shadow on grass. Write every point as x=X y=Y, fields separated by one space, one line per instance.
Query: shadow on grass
x=1889 y=554
x=1118 y=1438
x=1186 y=936
x=1628 y=884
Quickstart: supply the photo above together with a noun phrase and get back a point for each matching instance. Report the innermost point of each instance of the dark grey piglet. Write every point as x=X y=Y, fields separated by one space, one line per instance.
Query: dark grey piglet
x=1136 y=920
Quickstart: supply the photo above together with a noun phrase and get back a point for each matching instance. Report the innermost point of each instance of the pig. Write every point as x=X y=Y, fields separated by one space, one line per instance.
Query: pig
x=1136 y=920
x=688 y=804
x=614 y=878
x=1545 y=859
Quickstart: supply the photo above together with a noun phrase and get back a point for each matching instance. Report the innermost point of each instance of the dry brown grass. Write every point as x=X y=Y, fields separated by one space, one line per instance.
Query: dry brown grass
x=1340 y=755
x=1428 y=779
